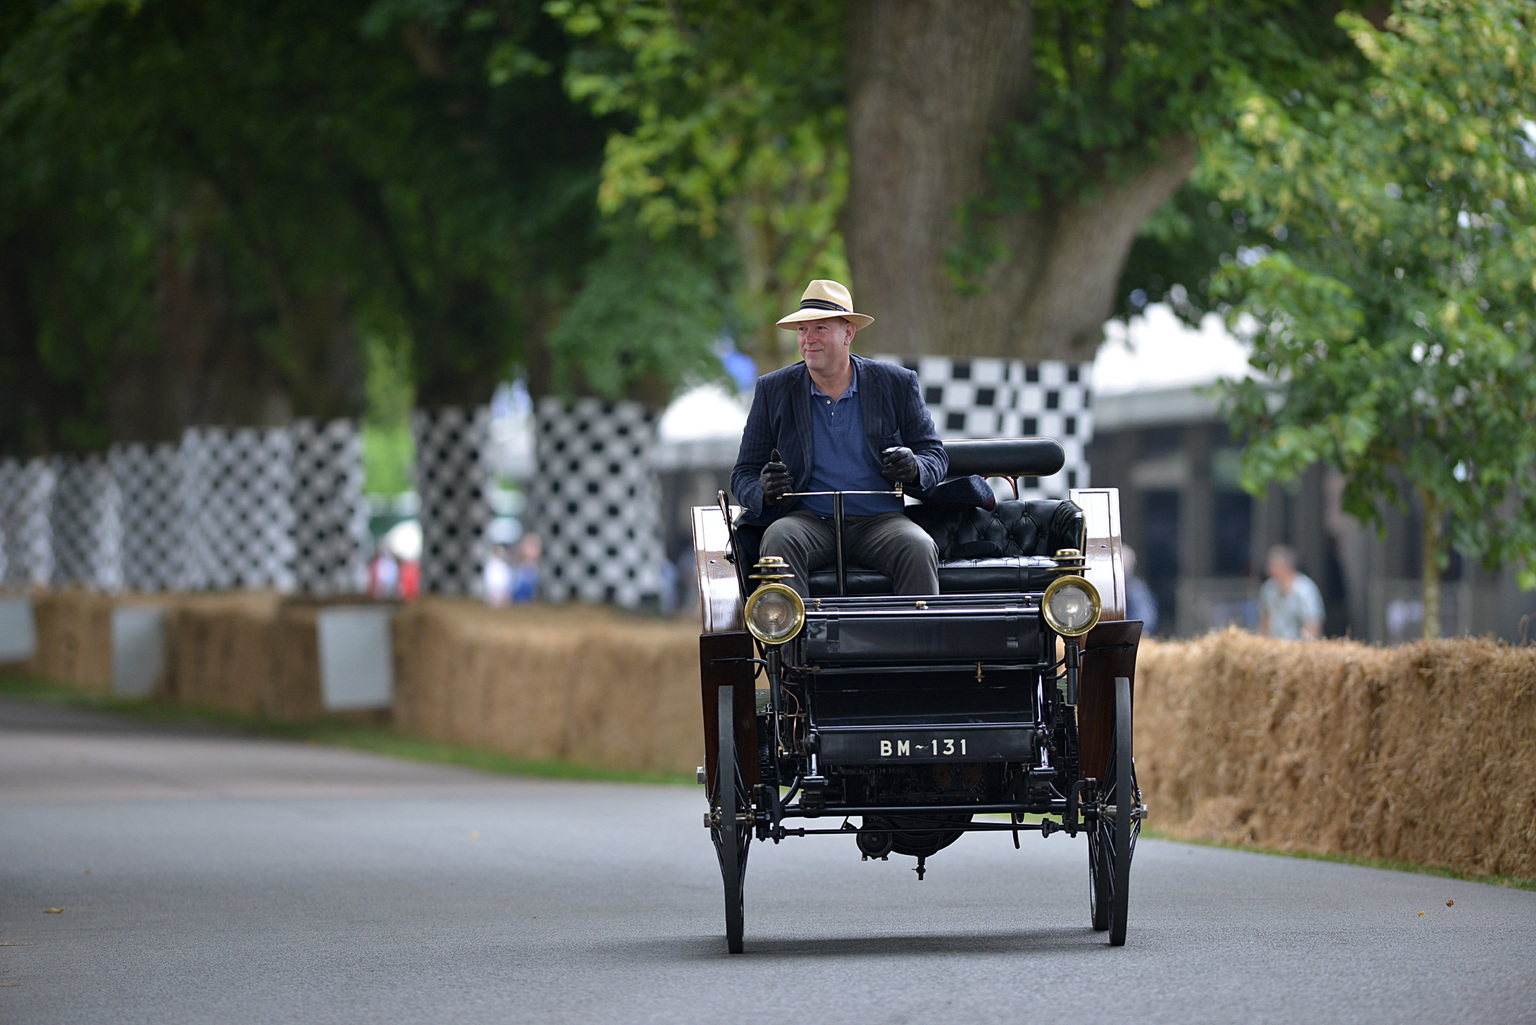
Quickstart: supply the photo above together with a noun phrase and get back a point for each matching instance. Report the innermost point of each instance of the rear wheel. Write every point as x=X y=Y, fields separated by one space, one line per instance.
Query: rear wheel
x=728 y=807
x=1112 y=840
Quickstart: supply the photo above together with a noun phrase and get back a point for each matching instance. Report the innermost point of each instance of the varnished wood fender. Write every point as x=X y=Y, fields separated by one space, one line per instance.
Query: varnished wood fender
x=1109 y=650
x=723 y=660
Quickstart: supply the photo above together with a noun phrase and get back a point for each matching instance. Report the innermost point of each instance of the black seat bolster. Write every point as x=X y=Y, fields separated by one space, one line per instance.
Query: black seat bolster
x=990 y=576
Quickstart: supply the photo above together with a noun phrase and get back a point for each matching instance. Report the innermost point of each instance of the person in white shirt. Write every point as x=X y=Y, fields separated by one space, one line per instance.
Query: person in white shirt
x=1290 y=605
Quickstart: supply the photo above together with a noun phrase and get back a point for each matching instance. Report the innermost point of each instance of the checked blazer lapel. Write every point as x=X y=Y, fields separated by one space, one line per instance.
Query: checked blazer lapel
x=871 y=407
x=800 y=403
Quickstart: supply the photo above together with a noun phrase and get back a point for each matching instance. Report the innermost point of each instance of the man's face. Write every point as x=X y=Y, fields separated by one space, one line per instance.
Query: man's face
x=824 y=344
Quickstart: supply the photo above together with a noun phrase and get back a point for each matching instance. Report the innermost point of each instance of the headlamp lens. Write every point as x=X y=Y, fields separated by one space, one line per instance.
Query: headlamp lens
x=774 y=613
x=1071 y=606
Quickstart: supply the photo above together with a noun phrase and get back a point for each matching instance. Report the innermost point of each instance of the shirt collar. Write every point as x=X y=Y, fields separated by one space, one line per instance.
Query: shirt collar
x=853 y=385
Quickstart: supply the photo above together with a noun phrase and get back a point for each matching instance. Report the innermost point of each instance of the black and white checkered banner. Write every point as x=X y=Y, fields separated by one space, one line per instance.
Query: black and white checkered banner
x=227 y=507
x=1002 y=398
x=453 y=484
x=26 y=530
x=330 y=515
x=595 y=502
x=236 y=485
x=154 y=530
x=87 y=532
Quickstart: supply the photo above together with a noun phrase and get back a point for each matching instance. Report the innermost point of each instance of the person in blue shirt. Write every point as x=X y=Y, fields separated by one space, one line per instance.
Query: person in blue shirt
x=838 y=422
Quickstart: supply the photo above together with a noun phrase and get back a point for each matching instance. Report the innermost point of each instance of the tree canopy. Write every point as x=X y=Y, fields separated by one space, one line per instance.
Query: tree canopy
x=988 y=164
x=1393 y=310
x=730 y=127
x=205 y=206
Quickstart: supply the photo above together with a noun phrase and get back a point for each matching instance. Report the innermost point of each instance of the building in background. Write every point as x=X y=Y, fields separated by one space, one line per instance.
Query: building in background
x=1160 y=438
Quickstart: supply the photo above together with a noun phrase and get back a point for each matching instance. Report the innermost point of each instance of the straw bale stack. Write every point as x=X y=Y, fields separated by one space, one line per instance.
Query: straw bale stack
x=74 y=638
x=249 y=651
x=581 y=684
x=1424 y=752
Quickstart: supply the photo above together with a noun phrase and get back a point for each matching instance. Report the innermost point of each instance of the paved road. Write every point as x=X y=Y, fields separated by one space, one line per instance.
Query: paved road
x=224 y=880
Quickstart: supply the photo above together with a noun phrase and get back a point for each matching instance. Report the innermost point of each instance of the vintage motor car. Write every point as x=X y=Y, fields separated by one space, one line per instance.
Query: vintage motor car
x=1002 y=704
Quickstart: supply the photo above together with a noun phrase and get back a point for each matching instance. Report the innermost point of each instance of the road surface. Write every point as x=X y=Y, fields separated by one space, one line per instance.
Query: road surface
x=218 y=879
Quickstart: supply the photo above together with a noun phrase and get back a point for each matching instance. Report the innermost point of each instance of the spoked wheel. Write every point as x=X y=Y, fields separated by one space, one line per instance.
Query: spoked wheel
x=733 y=837
x=1112 y=840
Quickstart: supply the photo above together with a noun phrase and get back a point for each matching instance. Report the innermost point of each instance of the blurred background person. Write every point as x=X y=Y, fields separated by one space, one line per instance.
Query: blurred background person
x=1140 y=602
x=1290 y=605
x=525 y=568
x=497 y=577
x=383 y=573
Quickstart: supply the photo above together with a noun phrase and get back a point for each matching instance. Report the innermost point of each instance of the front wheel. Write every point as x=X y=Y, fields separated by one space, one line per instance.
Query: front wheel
x=728 y=807
x=1117 y=823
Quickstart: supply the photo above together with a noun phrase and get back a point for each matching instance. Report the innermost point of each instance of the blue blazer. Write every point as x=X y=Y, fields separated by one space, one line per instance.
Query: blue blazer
x=892 y=407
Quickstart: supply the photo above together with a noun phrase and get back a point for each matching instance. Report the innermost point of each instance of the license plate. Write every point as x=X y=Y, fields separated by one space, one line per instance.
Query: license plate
x=960 y=745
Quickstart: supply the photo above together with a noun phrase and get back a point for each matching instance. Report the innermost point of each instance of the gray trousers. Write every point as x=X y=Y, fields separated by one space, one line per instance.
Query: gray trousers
x=889 y=543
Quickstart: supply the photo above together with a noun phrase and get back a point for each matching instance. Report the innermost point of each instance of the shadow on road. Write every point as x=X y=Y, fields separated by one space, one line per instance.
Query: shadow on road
x=1031 y=941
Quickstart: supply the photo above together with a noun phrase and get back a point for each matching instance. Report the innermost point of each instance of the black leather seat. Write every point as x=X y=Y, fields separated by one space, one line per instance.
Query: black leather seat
x=1008 y=548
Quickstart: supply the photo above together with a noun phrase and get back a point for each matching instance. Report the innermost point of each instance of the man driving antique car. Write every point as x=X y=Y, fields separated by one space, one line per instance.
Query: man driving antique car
x=838 y=422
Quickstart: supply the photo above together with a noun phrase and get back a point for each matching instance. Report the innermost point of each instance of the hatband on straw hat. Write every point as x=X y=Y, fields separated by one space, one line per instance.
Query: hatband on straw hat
x=823 y=300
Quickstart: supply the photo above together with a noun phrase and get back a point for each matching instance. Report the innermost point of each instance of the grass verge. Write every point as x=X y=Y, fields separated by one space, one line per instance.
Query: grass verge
x=1393 y=864
x=336 y=732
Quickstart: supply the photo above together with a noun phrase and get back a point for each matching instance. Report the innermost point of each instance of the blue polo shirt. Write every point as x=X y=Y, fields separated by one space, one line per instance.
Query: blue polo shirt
x=842 y=458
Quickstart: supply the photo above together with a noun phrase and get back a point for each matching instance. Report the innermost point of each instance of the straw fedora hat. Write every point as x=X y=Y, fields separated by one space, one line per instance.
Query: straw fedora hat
x=823 y=300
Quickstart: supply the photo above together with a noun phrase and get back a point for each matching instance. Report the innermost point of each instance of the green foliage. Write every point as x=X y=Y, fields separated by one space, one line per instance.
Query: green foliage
x=389 y=449
x=730 y=122
x=389 y=459
x=647 y=317
x=271 y=180
x=1393 y=317
x=1180 y=248
x=1114 y=84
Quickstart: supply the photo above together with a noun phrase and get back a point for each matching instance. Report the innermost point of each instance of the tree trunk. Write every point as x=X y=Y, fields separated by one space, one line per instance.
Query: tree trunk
x=208 y=365
x=929 y=88
x=27 y=425
x=1433 y=539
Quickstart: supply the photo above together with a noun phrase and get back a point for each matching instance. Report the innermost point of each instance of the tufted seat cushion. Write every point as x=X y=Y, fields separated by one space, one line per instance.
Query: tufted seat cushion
x=1008 y=548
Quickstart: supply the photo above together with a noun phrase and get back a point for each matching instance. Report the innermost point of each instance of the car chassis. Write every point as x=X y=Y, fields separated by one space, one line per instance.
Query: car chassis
x=1003 y=704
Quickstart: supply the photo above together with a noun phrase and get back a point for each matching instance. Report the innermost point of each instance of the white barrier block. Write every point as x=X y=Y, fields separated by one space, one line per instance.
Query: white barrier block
x=18 y=632
x=356 y=657
x=138 y=649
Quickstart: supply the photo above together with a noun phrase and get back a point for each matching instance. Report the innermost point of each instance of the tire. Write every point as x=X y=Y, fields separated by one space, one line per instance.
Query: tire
x=1112 y=840
x=1126 y=819
x=732 y=841
x=1101 y=873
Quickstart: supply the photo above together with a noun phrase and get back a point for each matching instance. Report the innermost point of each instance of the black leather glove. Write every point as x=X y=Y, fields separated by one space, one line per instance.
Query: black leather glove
x=899 y=464
x=775 y=479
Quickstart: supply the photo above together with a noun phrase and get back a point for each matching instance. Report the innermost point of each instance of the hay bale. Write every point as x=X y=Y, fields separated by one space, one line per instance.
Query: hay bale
x=250 y=651
x=74 y=639
x=1421 y=752
x=571 y=683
